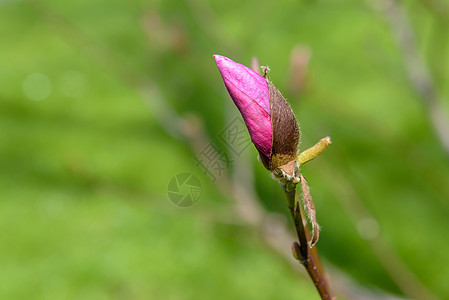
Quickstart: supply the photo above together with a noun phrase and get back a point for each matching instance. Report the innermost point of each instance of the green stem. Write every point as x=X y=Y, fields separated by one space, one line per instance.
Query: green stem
x=307 y=257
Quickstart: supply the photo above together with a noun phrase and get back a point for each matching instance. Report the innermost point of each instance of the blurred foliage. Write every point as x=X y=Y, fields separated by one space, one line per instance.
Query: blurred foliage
x=85 y=162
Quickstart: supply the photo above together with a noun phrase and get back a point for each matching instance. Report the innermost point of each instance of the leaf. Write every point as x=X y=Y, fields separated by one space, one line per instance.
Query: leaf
x=310 y=210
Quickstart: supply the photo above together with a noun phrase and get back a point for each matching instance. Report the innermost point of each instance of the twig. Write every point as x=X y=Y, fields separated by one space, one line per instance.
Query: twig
x=304 y=255
x=417 y=71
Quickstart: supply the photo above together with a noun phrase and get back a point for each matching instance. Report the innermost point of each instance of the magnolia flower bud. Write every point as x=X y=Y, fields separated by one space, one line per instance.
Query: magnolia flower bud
x=270 y=121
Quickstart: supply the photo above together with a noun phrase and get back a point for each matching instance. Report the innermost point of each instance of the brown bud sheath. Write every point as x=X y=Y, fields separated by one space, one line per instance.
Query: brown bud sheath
x=285 y=134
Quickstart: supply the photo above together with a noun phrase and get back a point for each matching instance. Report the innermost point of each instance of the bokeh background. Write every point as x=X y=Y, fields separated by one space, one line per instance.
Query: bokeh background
x=103 y=103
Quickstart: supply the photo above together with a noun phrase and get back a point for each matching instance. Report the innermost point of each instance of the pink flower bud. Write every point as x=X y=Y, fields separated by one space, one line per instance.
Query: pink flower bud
x=249 y=91
x=268 y=117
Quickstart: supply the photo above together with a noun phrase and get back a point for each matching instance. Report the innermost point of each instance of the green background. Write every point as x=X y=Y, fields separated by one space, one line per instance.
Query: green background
x=91 y=95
